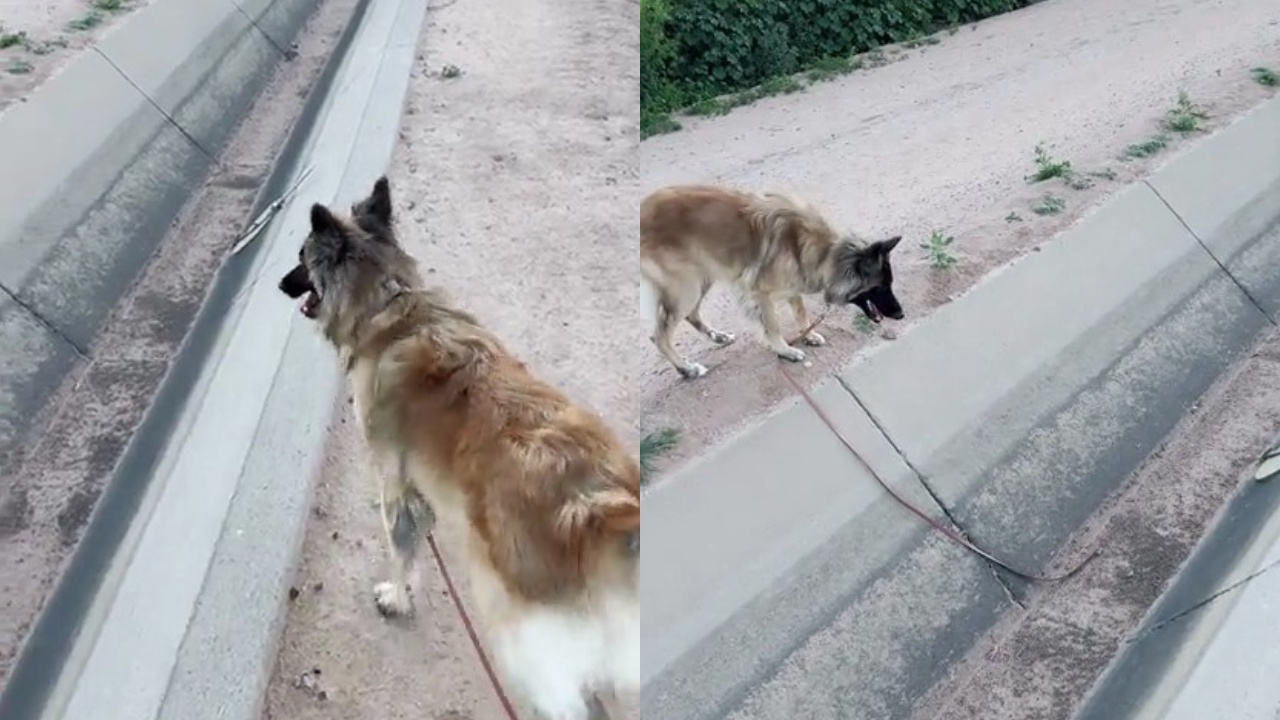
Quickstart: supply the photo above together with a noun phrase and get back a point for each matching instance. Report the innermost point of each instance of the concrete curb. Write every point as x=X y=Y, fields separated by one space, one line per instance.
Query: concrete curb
x=1021 y=405
x=172 y=604
x=138 y=120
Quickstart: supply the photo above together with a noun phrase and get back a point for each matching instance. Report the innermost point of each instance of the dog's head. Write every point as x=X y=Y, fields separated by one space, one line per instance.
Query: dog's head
x=863 y=275
x=347 y=256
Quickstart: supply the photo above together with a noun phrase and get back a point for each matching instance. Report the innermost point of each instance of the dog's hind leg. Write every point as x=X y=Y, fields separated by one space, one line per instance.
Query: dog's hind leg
x=718 y=337
x=772 y=331
x=802 y=319
x=668 y=311
x=406 y=519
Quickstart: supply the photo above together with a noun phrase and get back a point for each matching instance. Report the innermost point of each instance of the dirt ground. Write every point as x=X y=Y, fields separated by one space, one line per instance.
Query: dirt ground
x=38 y=37
x=81 y=434
x=941 y=139
x=515 y=185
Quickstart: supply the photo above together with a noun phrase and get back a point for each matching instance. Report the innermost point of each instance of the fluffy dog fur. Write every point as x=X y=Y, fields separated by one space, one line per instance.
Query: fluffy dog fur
x=548 y=495
x=769 y=247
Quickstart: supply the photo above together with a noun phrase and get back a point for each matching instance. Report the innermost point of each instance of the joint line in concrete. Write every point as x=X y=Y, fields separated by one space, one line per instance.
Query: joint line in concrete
x=1219 y=263
x=75 y=347
x=156 y=105
x=285 y=53
x=924 y=482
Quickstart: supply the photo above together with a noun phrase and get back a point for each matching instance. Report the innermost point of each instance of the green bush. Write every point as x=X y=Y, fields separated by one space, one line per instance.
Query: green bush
x=691 y=50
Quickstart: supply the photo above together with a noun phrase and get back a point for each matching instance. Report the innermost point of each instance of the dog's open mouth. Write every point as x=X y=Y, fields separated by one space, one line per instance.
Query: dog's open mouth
x=873 y=312
x=310 y=304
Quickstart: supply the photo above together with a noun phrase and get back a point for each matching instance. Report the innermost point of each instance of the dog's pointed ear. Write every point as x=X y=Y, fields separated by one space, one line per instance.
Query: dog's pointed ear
x=380 y=200
x=323 y=222
x=884 y=247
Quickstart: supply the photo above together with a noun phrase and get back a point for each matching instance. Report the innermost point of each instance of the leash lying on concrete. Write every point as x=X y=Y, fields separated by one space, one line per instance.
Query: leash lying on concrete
x=471 y=630
x=952 y=534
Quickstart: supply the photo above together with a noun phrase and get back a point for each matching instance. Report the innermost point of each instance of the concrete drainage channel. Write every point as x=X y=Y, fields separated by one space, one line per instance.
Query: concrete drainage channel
x=1021 y=407
x=171 y=604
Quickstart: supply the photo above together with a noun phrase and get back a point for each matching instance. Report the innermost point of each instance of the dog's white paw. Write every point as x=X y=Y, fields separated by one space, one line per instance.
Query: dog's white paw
x=392 y=599
x=786 y=352
x=814 y=339
x=720 y=337
x=693 y=370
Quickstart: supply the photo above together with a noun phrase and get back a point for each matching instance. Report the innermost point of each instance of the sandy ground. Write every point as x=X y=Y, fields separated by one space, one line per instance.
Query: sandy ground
x=85 y=428
x=516 y=187
x=42 y=35
x=941 y=138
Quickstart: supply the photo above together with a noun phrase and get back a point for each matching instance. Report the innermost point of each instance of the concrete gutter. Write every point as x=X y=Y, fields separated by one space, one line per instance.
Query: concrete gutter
x=172 y=603
x=102 y=157
x=1206 y=649
x=1019 y=406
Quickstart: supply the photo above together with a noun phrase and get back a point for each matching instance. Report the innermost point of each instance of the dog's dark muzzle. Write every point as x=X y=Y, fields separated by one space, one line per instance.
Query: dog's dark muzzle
x=878 y=303
x=296 y=284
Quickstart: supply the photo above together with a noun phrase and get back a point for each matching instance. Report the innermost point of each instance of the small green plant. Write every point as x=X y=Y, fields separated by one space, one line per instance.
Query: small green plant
x=8 y=39
x=708 y=108
x=1046 y=167
x=1184 y=117
x=653 y=446
x=1048 y=205
x=863 y=324
x=18 y=66
x=1265 y=76
x=1012 y=217
x=449 y=72
x=88 y=21
x=936 y=248
x=109 y=5
x=1146 y=148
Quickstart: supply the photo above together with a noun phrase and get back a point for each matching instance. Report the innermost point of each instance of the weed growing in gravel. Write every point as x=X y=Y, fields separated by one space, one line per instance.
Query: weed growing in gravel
x=449 y=72
x=780 y=85
x=1049 y=205
x=1184 y=117
x=1265 y=76
x=657 y=124
x=18 y=66
x=936 y=249
x=863 y=324
x=109 y=5
x=8 y=39
x=88 y=21
x=653 y=446
x=1146 y=148
x=1047 y=168
x=44 y=47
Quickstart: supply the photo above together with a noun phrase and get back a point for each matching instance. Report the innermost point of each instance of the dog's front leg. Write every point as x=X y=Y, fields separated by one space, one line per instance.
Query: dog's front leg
x=406 y=518
x=802 y=319
x=772 y=332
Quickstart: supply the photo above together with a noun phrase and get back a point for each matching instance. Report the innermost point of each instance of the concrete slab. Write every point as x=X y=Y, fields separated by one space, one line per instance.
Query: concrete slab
x=94 y=205
x=61 y=178
x=1079 y=301
x=36 y=360
x=1243 y=197
x=772 y=497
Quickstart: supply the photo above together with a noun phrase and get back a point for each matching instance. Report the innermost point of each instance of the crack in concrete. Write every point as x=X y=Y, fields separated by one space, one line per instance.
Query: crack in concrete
x=1221 y=266
x=46 y=323
x=933 y=494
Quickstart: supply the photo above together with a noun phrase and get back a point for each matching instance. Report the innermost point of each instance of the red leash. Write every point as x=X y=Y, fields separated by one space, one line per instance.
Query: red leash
x=951 y=534
x=471 y=630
